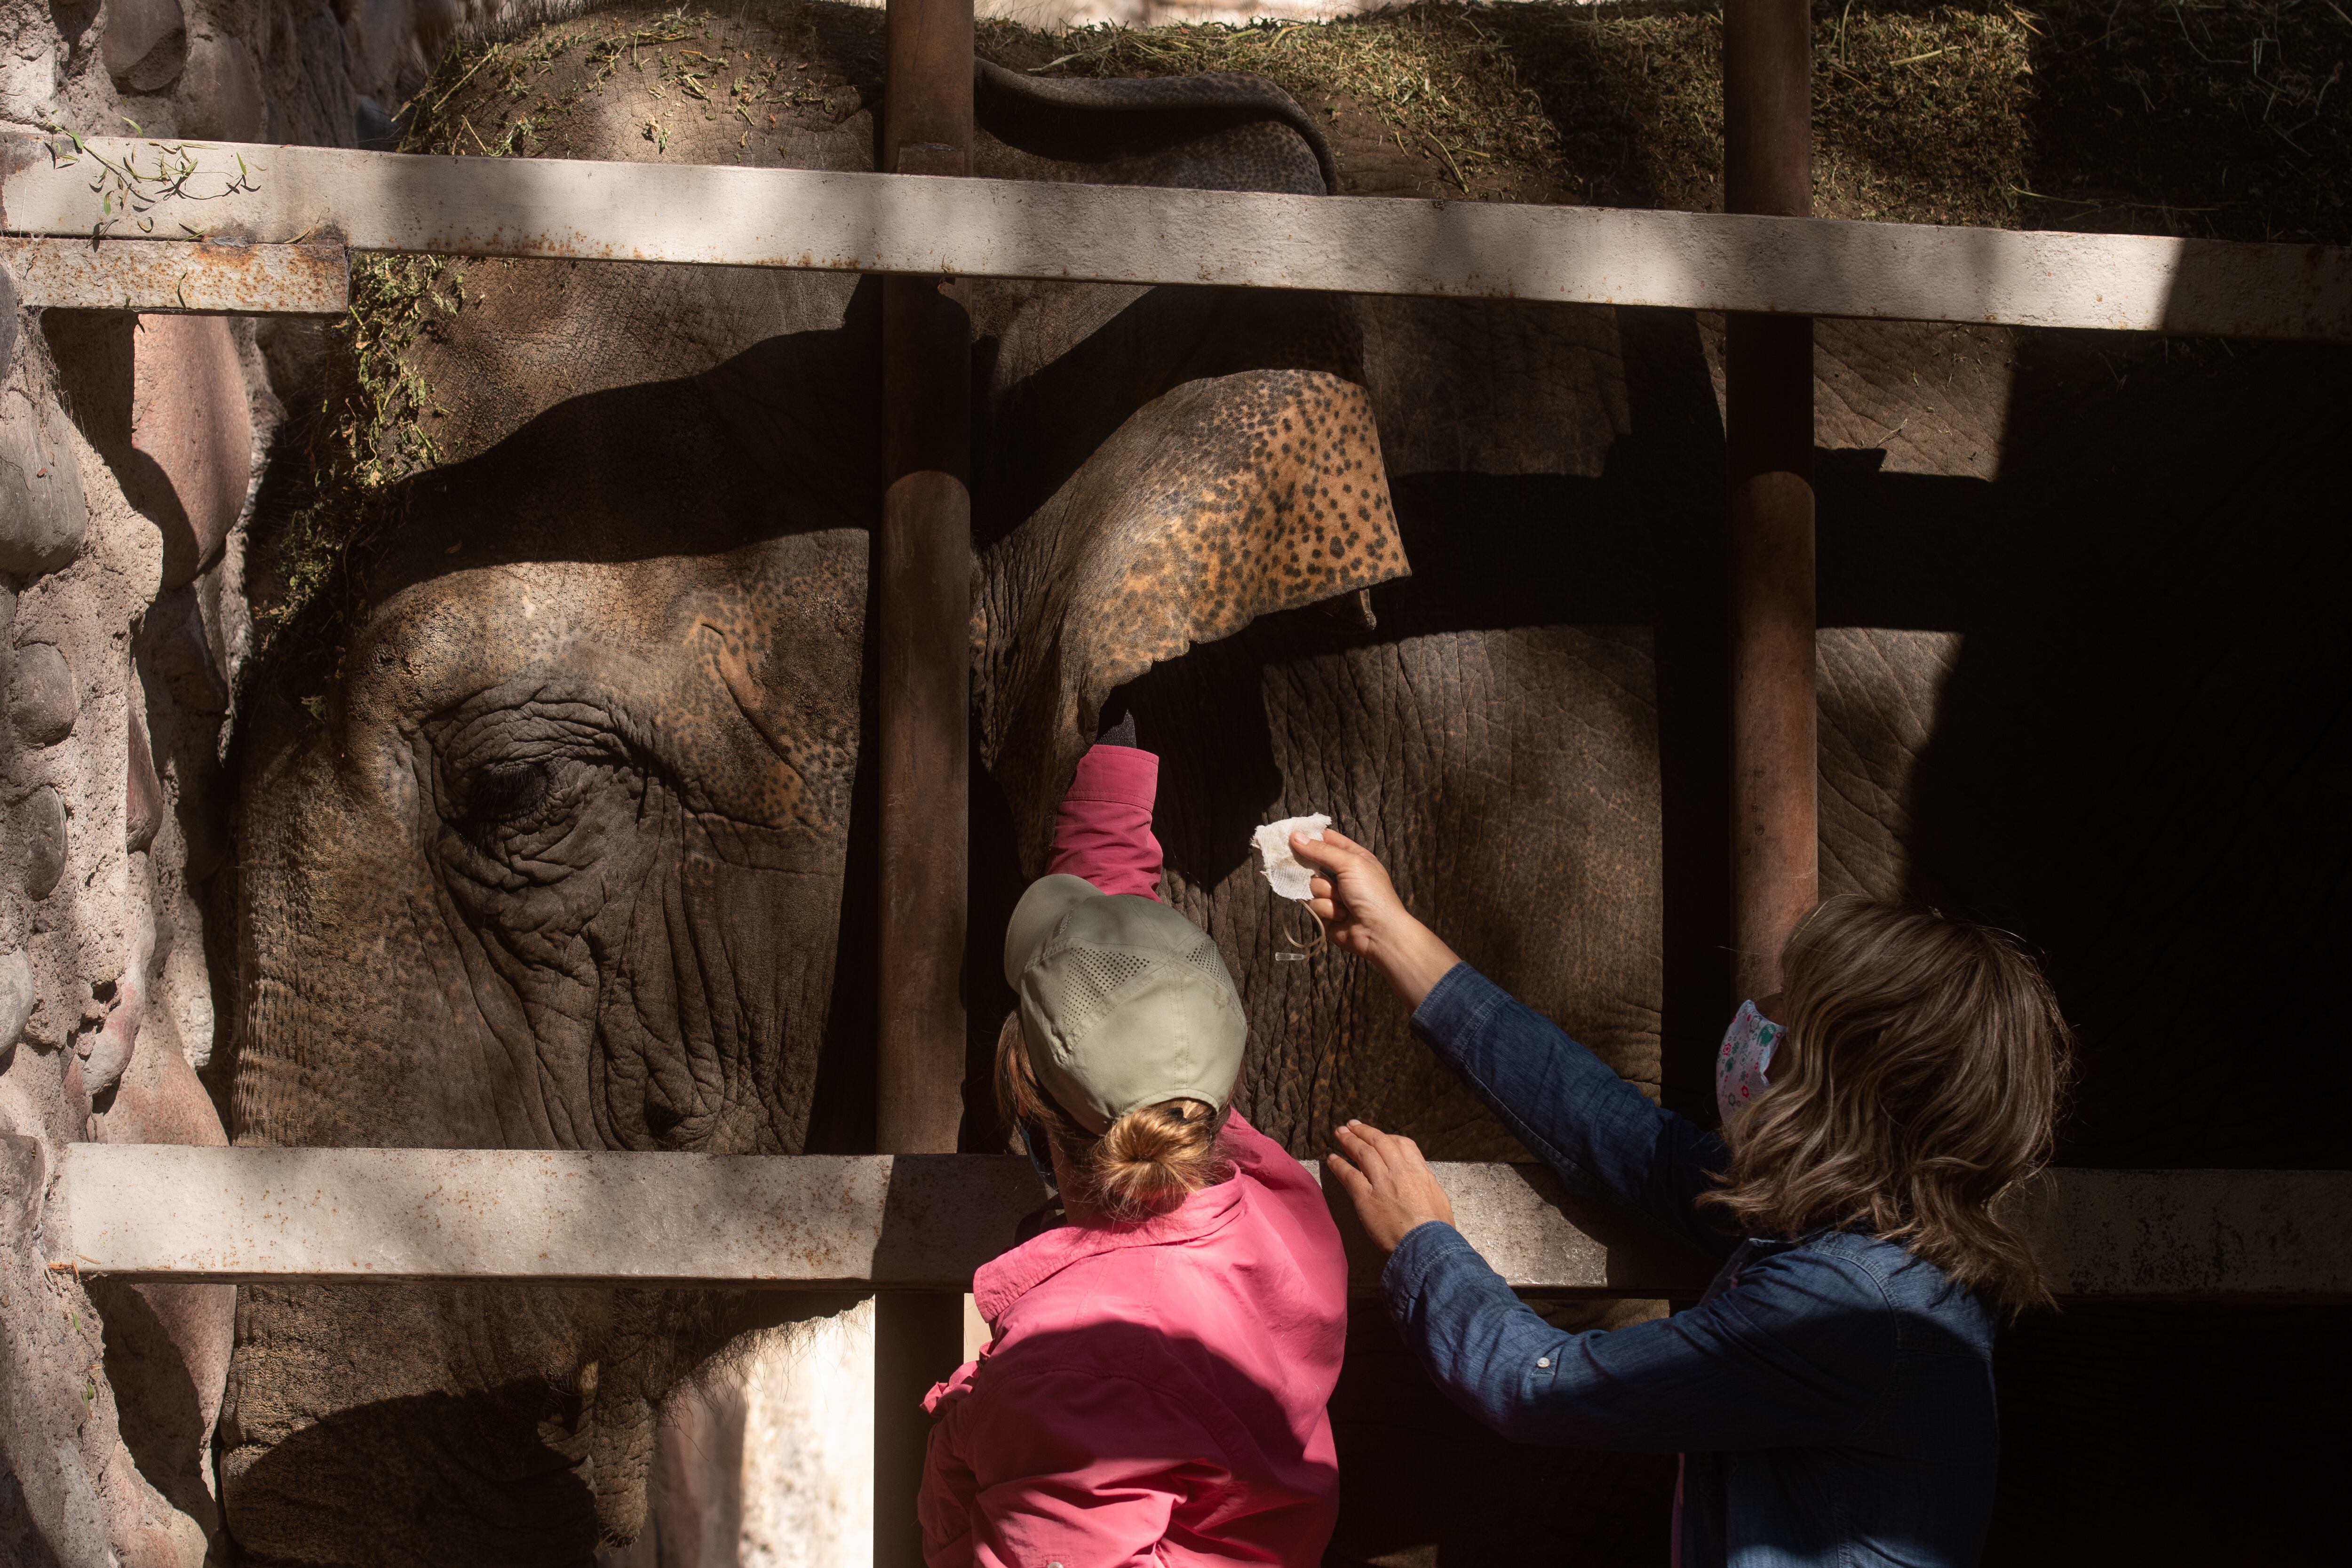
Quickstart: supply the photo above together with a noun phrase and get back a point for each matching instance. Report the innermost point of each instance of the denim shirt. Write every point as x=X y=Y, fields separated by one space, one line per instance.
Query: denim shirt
x=1832 y=1397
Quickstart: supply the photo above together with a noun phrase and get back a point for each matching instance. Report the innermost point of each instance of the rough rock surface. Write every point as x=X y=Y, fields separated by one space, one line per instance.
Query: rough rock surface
x=145 y=44
x=220 y=92
x=127 y=455
x=189 y=420
x=42 y=701
x=42 y=513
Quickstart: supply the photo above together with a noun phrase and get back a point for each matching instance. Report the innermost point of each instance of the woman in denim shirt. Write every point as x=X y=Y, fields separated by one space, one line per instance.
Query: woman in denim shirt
x=1831 y=1394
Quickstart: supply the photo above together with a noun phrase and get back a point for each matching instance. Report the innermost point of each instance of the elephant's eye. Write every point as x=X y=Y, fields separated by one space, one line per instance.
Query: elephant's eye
x=514 y=776
x=497 y=796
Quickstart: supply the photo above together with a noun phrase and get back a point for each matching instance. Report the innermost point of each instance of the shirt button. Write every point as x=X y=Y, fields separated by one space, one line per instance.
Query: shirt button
x=1543 y=1361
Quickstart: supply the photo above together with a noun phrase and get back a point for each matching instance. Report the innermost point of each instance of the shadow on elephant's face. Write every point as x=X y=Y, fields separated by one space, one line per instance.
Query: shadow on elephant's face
x=564 y=865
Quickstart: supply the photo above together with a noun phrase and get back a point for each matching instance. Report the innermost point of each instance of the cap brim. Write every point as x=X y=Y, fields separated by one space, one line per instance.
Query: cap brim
x=1040 y=909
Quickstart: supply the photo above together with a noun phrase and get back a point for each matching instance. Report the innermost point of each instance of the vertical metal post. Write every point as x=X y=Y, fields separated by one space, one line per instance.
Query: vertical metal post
x=1769 y=446
x=922 y=560
x=924 y=599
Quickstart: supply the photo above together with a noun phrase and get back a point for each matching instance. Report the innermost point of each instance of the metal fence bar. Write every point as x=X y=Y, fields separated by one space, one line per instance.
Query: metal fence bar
x=185 y=277
x=172 y=1212
x=1010 y=229
x=922 y=590
x=1767 y=437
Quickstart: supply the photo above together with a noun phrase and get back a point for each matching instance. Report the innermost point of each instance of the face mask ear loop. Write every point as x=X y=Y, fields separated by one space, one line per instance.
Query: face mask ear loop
x=1288 y=922
x=1033 y=1143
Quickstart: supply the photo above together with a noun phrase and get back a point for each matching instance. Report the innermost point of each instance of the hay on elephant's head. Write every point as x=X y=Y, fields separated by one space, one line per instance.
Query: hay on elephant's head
x=2231 y=119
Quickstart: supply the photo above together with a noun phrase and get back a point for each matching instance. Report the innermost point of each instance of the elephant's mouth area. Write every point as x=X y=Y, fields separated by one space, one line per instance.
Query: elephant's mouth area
x=510 y=1426
x=651 y=960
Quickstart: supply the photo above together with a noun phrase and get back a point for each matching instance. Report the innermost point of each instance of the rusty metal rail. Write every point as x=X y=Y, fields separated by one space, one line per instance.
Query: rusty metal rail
x=926 y=1222
x=895 y=224
x=922 y=577
x=923 y=598
x=1768 y=438
x=179 y=278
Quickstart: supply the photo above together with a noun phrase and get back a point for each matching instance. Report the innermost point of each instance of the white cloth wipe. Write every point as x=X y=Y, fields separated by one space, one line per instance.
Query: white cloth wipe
x=1281 y=868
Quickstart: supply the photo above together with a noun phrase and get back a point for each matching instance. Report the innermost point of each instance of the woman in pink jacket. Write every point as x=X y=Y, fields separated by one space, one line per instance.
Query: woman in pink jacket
x=1153 y=1388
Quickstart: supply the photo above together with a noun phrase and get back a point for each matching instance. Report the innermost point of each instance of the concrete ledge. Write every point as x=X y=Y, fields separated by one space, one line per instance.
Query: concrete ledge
x=926 y=1222
x=157 y=1211
x=993 y=228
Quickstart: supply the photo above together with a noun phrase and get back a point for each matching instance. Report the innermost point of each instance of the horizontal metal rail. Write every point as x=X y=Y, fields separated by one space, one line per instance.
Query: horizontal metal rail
x=906 y=1221
x=170 y=1211
x=186 y=278
x=998 y=229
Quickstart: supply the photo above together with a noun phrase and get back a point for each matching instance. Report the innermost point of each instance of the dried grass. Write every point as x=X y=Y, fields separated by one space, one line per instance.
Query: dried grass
x=361 y=445
x=2223 y=118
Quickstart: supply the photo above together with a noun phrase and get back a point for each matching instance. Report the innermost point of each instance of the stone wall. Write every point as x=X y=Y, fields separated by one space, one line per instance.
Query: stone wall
x=129 y=453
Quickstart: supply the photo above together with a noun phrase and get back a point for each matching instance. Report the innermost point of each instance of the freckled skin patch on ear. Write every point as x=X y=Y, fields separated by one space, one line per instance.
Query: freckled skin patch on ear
x=1295 y=511
x=1222 y=501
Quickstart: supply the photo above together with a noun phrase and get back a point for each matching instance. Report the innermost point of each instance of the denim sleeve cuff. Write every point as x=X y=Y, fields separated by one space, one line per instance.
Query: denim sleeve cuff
x=1457 y=1007
x=1426 y=1248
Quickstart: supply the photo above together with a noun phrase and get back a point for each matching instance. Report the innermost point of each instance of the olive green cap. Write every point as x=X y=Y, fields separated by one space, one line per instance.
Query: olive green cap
x=1124 y=1002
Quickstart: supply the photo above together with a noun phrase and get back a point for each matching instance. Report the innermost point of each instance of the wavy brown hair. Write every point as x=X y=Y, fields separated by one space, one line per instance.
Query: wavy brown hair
x=1146 y=1164
x=1925 y=1063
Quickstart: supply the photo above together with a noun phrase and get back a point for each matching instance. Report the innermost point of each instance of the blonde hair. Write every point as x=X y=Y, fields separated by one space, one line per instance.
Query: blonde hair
x=1146 y=1164
x=1925 y=1062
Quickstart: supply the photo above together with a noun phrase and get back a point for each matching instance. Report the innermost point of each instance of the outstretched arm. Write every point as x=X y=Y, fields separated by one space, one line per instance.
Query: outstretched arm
x=1102 y=830
x=1361 y=914
x=1600 y=1135
x=1796 y=1351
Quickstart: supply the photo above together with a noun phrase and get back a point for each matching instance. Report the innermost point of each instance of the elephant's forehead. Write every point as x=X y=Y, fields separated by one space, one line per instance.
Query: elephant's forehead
x=516 y=610
x=796 y=601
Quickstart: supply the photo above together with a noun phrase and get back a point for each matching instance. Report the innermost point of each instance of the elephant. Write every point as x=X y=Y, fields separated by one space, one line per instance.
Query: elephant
x=556 y=830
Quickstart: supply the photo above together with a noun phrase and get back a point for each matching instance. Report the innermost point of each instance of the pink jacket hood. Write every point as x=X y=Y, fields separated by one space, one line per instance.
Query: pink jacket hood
x=1153 y=1394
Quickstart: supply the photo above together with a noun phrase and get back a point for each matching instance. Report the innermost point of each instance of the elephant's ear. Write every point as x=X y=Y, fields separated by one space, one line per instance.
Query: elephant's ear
x=1221 y=500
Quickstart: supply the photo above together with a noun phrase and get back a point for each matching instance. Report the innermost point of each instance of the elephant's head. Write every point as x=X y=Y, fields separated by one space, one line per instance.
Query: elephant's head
x=557 y=837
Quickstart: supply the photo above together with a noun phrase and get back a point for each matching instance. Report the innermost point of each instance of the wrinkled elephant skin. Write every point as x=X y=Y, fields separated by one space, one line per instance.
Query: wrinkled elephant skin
x=594 y=813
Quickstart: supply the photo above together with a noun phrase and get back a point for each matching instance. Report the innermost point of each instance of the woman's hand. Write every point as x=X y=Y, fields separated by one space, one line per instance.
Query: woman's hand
x=1361 y=914
x=1385 y=1177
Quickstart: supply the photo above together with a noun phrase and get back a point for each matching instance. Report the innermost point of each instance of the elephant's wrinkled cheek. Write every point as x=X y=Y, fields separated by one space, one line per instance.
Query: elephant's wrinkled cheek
x=533 y=915
x=713 y=981
x=354 y=1026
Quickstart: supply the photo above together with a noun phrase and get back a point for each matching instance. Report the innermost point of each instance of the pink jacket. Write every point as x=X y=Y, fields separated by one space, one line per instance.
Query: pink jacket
x=1151 y=1394
x=1102 y=830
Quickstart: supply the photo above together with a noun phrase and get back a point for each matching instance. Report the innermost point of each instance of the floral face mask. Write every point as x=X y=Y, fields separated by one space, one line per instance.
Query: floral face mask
x=1747 y=1047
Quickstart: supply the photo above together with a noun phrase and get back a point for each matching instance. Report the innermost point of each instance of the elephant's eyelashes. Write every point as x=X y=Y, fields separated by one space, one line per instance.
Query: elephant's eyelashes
x=513 y=809
x=504 y=795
